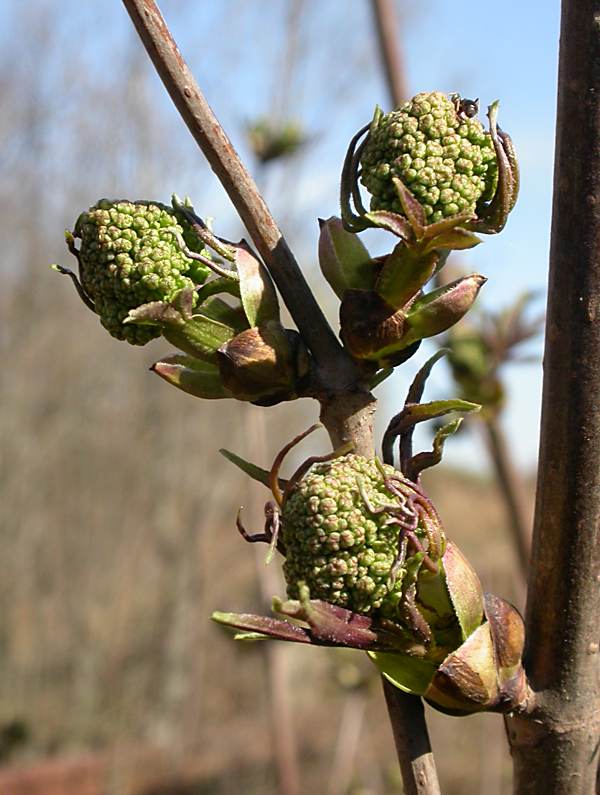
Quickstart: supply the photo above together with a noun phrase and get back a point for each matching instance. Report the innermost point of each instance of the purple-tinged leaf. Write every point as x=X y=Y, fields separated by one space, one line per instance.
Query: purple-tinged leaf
x=404 y=273
x=454 y=240
x=412 y=207
x=432 y=457
x=264 y=625
x=442 y=308
x=447 y=225
x=391 y=222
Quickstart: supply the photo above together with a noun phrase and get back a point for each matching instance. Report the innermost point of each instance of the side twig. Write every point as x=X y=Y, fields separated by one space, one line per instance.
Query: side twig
x=407 y=716
x=218 y=150
x=557 y=744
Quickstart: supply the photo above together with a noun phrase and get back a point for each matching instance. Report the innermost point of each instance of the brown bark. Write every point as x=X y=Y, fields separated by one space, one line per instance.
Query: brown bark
x=555 y=745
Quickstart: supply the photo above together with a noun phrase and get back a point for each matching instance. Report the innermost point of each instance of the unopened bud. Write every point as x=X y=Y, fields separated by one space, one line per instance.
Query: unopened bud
x=439 y=310
x=344 y=259
x=264 y=364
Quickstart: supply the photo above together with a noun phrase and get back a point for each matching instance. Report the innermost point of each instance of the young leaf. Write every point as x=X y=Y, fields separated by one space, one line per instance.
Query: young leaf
x=257 y=291
x=404 y=671
x=432 y=457
x=344 y=259
x=192 y=376
x=252 y=470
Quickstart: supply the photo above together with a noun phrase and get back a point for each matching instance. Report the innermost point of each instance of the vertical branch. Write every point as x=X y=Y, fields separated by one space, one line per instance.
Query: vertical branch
x=556 y=746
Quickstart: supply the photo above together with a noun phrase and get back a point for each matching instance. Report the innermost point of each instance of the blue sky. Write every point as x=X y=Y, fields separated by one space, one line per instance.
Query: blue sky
x=331 y=83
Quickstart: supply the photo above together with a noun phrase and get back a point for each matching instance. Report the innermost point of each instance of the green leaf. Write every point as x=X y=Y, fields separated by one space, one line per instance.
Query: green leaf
x=410 y=674
x=219 y=285
x=219 y=310
x=421 y=412
x=252 y=470
x=200 y=336
x=257 y=291
x=455 y=240
x=191 y=375
x=464 y=589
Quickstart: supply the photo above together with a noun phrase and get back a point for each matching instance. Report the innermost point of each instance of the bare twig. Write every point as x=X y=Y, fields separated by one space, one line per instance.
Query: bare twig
x=412 y=742
x=556 y=746
x=218 y=150
x=386 y=21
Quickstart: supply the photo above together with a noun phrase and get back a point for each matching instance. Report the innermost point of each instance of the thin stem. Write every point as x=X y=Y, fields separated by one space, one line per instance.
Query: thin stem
x=407 y=716
x=556 y=746
x=223 y=159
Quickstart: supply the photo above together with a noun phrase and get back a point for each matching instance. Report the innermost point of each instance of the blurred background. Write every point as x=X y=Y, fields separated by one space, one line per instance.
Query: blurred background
x=117 y=527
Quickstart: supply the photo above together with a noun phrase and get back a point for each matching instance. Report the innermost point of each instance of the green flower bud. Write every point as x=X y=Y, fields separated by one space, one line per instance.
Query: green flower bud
x=341 y=535
x=442 y=154
x=129 y=256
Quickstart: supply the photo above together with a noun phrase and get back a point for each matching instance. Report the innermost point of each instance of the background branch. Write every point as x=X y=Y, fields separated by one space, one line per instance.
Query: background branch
x=386 y=24
x=555 y=748
x=223 y=159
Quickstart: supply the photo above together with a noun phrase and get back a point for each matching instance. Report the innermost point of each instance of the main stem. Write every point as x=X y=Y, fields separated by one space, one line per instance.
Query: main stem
x=555 y=745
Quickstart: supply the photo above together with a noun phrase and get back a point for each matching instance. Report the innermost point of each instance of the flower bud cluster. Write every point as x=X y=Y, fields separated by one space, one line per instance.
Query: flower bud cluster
x=446 y=159
x=339 y=539
x=129 y=256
